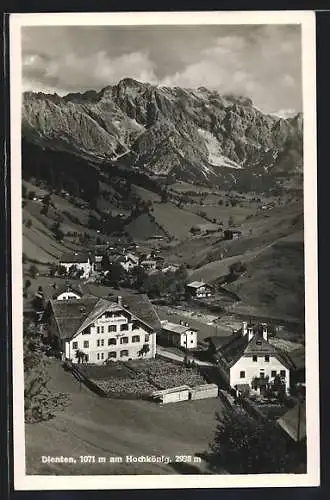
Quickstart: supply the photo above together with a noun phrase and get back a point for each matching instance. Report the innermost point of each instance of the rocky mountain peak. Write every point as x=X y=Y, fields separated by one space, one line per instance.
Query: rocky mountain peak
x=169 y=131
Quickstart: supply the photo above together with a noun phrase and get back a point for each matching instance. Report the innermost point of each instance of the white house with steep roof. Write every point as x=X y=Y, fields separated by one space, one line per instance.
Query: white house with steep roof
x=248 y=355
x=79 y=260
x=199 y=289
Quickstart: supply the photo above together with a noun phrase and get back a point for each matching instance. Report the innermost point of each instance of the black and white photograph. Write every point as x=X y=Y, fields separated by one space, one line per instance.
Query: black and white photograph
x=164 y=250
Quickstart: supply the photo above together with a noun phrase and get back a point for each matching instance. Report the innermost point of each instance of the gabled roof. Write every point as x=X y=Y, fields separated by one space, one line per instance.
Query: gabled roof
x=140 y=305
x=77 y=289
x=233 y=347
x=77 y=258
x=74 y=315
x=294 y=422
x=70 y=314
x=259 y=346
x=297 y=356
x=175 y=327
x=197 y=284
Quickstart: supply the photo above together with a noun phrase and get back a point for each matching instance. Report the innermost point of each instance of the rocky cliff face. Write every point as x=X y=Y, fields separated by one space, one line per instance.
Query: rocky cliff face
x=194 y=135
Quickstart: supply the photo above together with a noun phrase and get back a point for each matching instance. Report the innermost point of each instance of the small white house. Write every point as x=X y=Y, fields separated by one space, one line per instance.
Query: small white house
x=179 y=335
x=80 y=261
x=247 y=355
x=199 y=289
x=129 y=261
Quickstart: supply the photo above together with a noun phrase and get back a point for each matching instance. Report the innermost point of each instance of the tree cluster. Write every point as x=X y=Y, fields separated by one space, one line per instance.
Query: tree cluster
x=40 y=403
x=243 y=445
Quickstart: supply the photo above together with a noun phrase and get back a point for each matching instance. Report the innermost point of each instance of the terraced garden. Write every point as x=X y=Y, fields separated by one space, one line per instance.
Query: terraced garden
x=141 y=377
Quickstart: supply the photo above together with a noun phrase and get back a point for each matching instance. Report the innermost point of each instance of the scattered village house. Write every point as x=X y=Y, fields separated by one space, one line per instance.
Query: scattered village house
x=149 y=264
x=178 y=335
x=129 y=261
x=207 y=228
x=67 y=292
x=199 y=289
x=80 y=261
x=99 y=329
x=232 y=234
x=247 y=355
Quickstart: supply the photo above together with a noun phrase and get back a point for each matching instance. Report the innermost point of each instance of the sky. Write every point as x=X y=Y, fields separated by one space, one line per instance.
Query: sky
x=262 y=62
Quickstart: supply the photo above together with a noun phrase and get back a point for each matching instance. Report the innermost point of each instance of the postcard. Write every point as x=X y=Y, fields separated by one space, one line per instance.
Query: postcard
x=164 y=250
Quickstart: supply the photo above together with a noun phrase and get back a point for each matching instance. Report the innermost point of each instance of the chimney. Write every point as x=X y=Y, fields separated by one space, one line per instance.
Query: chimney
x=250 y=332
x=244 y=328
x=264 y=331
x=119 y=300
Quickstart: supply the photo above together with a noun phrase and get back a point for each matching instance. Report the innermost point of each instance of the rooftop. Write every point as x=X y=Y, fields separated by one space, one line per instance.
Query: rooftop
x=174 y=327
x=233 y=347
x=197 y=284
x=294 y=422
x=69 y=258
x=74 y=315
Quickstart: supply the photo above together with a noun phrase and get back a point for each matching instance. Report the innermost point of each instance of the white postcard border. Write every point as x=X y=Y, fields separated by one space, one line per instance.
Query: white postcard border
x=38 y=482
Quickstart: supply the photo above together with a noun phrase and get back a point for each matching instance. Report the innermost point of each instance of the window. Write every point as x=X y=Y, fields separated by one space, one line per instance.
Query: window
x=112 y=328
x=255 y=358
x=100 y=343
x=98 y=356
x=146 y=338
x=124 y=340
x=87 y=331
x=123 y=353
x=112 y=341
x=135 y=326
x=108 y=315
x=97 y=329
x=86 y=344
x=191 y=341
x=262 y=373
x=273 y=373
x=136 y=338
x=74 y=345
x=102 y=355
x=282 y=373
x=102 y=329
x=112 y=354
x=242 y=374
x=124 y=327
x=267 y=359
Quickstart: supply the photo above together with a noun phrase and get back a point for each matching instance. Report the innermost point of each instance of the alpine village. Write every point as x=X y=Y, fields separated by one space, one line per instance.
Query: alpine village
x=163 y=282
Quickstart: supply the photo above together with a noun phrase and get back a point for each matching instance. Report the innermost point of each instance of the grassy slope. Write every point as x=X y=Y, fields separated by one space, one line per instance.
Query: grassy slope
x=176 y=221
x=275 y=280
x=103 y=427
x=143 y=228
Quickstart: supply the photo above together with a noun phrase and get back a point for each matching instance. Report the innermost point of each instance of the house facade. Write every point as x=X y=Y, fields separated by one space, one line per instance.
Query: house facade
x=247 y=355
x=95 y=329
x=199 y=289
x=179 y=335
x=80 y=261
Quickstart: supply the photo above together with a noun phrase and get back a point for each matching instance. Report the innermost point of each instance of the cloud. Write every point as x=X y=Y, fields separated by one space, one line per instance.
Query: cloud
x=74 y=73
x=262 y=62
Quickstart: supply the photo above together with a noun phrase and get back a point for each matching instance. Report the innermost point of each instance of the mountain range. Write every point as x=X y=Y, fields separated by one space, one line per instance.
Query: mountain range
x=195 y=135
